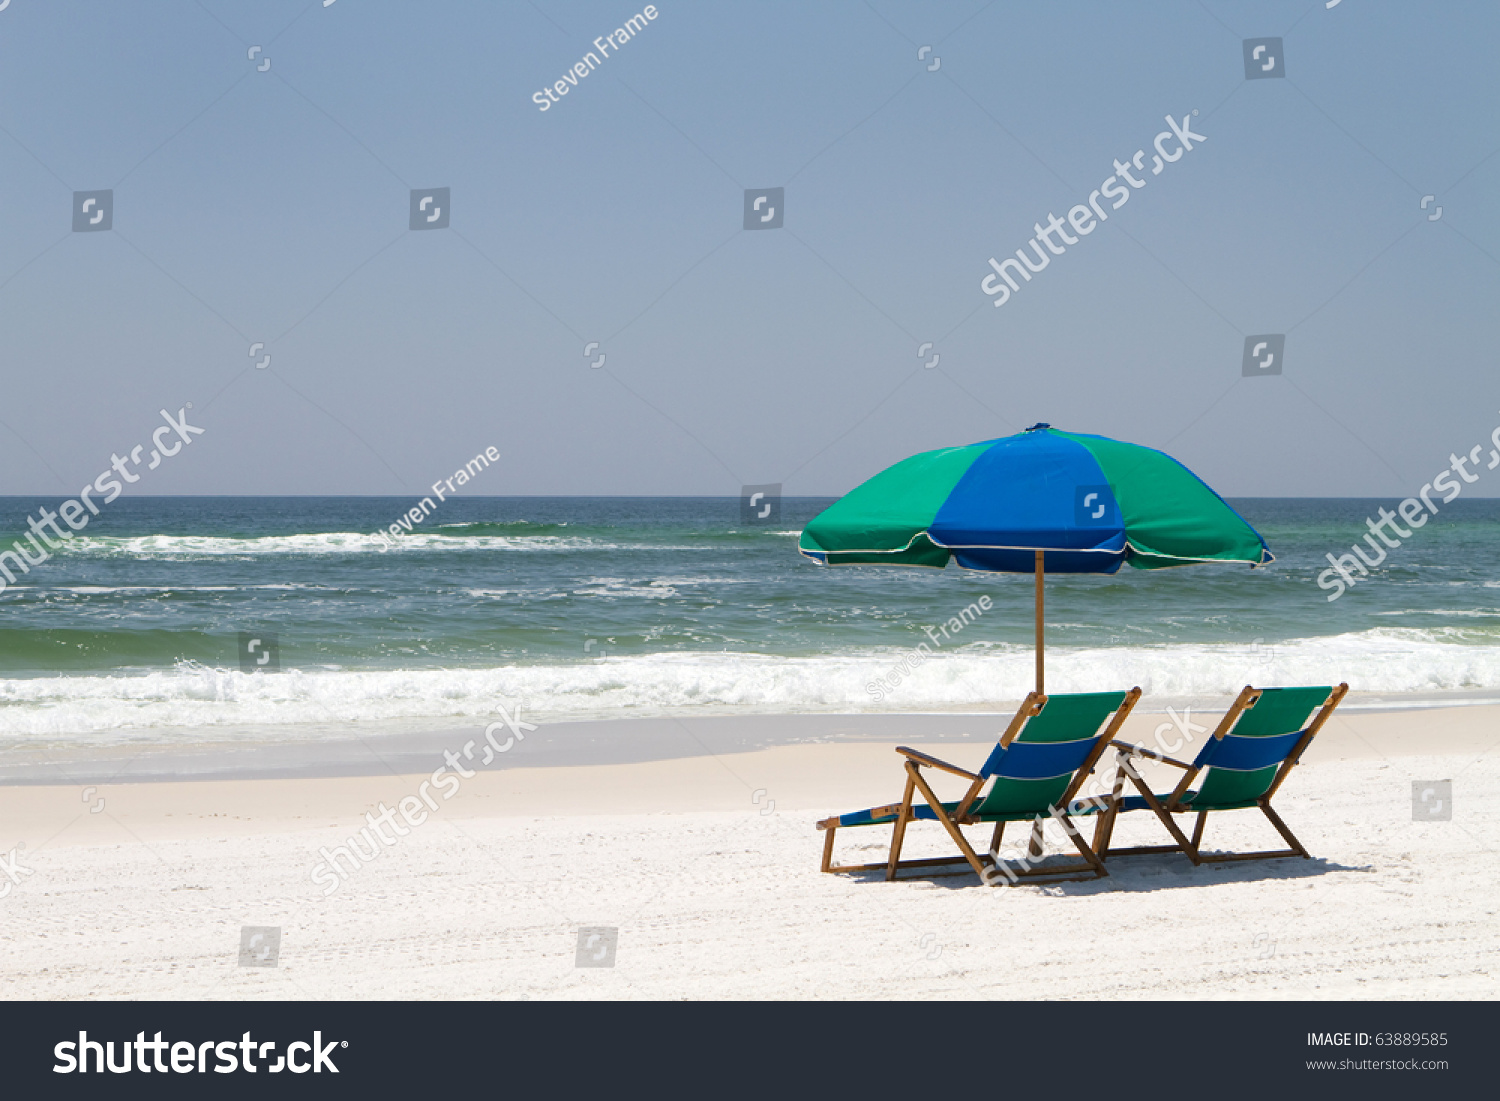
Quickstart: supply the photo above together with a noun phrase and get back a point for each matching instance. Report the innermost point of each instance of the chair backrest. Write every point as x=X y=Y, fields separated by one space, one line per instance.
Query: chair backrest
x=1033 y=769
x=1242 y=764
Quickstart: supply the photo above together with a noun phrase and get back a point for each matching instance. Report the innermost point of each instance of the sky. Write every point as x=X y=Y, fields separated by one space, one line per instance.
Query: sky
x=1343 y=200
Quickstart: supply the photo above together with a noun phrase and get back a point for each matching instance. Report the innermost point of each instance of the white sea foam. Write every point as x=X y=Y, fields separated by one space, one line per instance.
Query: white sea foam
x=501 y=523
x=96 y=590
x=337 y=542
x=122 y=708
x=1454 y=613
x=657 y=587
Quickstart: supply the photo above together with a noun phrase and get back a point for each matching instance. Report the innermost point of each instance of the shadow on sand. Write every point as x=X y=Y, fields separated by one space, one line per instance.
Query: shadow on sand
x=1165 y=872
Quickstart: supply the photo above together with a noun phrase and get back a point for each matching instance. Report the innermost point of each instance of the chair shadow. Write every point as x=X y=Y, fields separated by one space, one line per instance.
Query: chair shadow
x=1154 y=872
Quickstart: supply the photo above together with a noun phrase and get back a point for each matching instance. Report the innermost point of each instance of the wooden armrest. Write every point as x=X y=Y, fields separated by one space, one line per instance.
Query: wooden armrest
x=920 y=759
x=1144 y=752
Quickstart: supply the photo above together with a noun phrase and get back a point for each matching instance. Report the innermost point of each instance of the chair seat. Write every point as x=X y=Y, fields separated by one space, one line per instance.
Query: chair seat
x=870 y=818
x=921 y=812
x=1137 y=802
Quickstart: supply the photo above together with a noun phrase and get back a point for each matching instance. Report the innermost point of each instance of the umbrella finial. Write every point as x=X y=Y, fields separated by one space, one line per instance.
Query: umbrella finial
x=1038 y=425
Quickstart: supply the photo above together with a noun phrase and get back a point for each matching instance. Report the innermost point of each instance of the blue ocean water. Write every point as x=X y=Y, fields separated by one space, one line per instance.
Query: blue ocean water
x=597 y=607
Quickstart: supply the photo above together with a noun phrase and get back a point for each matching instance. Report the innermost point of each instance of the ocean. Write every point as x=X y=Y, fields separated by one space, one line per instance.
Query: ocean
x=582 y=608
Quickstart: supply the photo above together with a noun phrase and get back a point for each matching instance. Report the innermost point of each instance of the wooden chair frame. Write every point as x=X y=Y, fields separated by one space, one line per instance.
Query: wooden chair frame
x=1164 y=810
x=989 y=867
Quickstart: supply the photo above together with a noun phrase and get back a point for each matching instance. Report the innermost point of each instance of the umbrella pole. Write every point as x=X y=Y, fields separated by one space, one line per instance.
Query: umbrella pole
x=1040 y=573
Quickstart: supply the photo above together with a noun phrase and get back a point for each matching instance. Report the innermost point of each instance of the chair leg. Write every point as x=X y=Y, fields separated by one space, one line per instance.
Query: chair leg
x=1034 y=848
x=1163 y=816
x=1198 y=835
x=898 y=835
x=1106 y=827
x=1102 y=831
x=1281 y=828
x=828 y=848
x=942 y=816
x=1095 y=860
x=995 y=839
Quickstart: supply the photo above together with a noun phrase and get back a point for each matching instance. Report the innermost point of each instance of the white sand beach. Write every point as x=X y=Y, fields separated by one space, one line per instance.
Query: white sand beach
x=707 y=867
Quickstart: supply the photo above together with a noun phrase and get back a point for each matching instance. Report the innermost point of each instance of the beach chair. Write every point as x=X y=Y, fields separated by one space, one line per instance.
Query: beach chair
x=1034 y=772
x=1253 y=749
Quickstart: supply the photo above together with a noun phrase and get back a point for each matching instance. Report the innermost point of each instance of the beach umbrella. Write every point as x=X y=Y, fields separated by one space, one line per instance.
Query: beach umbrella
x=1042 y=500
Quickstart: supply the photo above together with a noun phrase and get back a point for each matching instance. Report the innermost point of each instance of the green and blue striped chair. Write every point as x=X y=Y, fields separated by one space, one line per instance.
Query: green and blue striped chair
x=1035 y=771
x=1253 y=749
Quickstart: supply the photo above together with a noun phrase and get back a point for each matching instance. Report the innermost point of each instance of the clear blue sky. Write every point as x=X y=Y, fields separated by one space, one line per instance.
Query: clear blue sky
x=272 y=206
